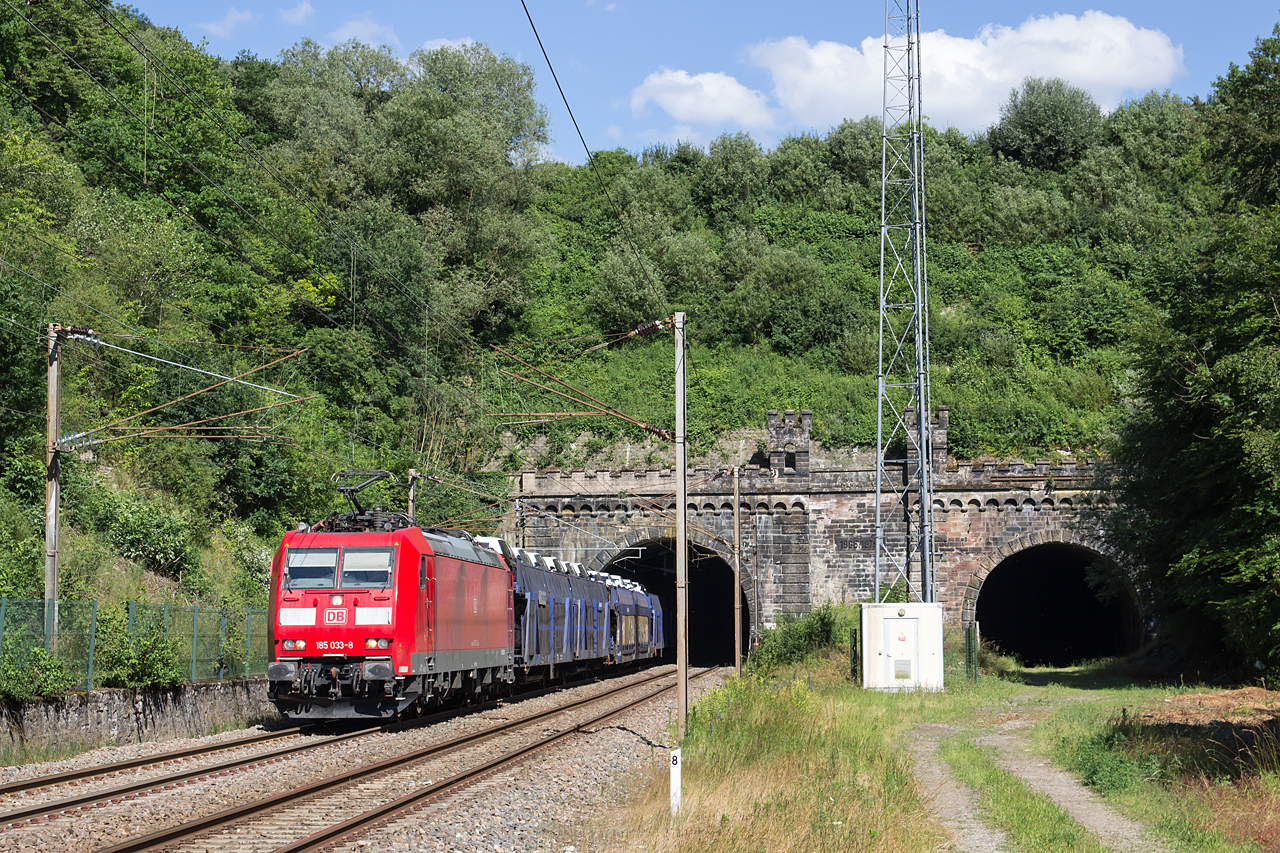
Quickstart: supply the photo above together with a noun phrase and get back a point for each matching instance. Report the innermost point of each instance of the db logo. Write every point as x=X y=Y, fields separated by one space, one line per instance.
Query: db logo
x=335 y=617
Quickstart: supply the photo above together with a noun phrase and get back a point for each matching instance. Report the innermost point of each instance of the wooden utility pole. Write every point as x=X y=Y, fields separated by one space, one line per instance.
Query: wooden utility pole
x=737 y=576
x=52 y=485
x=682 y=542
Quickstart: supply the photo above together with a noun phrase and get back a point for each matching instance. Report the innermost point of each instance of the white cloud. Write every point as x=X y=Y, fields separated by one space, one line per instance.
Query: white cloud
x=710 y=98
x=224 y=28
x=436 y=44
x=967 y=80
x=613 y=132
x=366 y=30
x=611 y=7
x=298 y=14
x=674 y=135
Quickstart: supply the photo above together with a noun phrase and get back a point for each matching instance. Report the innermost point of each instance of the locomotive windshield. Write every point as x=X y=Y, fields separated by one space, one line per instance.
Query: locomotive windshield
x=312 y=568
x=367 y=568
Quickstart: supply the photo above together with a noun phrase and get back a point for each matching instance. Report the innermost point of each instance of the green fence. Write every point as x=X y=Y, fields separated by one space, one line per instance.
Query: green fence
x=216 y=642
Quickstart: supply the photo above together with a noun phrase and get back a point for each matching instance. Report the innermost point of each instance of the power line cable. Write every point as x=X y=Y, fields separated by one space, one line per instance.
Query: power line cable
x=626 y=227
x=197 y=370
x=328 y=422
x=337 y=427
x=19 y=412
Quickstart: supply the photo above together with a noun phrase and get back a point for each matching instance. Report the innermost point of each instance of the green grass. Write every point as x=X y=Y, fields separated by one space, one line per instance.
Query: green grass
x=775 y=765
x=1136 y=772
x=1033 y=821
x=799 y=760
x=17 y=753
x=793 y=756
x=1086 y=700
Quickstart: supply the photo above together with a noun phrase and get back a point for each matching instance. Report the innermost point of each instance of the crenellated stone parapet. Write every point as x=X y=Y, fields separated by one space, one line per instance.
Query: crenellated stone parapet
x=808 y=533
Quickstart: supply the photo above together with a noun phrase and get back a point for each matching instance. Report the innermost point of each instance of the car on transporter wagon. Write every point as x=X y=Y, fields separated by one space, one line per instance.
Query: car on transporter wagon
x=374 y=616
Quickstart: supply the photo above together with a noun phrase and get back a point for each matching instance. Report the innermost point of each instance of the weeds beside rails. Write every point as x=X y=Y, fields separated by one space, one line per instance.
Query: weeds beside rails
x=771 y=764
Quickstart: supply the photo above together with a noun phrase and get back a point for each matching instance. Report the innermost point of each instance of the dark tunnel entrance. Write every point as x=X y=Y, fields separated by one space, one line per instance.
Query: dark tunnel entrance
x=710 y=598
x=1038 y=605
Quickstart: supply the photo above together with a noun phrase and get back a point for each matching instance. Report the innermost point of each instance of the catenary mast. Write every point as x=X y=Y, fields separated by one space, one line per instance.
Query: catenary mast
x=904 y=480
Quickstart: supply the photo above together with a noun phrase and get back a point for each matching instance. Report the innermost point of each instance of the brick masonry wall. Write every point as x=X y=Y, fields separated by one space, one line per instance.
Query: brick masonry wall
x=810 y=533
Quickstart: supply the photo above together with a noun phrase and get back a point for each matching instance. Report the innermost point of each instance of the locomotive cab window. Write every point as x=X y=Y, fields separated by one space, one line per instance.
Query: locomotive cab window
x=367 y=568
x=311 y=568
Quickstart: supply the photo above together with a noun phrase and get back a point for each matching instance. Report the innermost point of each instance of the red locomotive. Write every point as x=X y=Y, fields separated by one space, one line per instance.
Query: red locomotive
x=374 y=616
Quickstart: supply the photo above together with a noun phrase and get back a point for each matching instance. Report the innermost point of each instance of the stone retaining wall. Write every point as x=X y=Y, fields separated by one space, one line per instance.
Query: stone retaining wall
x=115 y=717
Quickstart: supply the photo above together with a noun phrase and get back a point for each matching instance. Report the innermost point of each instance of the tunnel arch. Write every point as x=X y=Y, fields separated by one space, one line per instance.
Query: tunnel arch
x=1031 y=598
x=710 y=588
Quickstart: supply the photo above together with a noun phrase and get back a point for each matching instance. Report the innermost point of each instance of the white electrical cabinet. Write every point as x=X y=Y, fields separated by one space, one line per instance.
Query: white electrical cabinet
x=902 y=646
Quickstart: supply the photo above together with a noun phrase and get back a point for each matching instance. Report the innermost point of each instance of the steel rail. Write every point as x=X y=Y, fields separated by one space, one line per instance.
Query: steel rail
x=133 y=790
x=130 y=764
x=101 y=771
x=355 y=826
x=164 y=837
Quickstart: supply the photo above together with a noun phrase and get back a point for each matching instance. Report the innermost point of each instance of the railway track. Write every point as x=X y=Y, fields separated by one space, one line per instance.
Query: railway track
x=53 y=803
x=50 y=808
x=319 y=814
x=102 y=771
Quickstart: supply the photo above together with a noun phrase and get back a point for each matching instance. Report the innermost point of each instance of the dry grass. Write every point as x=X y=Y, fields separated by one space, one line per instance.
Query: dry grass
x=1246 y=811
x=776 y=766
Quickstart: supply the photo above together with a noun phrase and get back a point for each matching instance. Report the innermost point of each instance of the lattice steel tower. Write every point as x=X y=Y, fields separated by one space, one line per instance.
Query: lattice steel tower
x=904 y=481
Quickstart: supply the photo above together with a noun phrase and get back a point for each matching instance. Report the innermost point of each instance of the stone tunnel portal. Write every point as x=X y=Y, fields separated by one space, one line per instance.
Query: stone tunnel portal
x=710 y=598
x=1038 y=605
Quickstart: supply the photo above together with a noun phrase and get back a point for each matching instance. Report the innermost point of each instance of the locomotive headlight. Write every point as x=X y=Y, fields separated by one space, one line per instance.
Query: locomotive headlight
x=335 y=600
x=295 y=645
x=372 y=643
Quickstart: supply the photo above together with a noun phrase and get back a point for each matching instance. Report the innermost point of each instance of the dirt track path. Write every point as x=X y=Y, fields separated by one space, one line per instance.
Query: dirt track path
x=955 y=805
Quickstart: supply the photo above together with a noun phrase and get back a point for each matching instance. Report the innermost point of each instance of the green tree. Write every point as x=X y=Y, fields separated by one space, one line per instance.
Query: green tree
x=855 y=148
x=1046 y=124
x=731 y=179
x=1242 y=124
x=1199 y=457
x=39 y=192
x=800 y=173
x=628 y=292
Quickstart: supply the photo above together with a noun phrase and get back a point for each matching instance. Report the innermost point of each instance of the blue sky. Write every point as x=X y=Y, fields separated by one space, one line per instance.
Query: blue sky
x=662 y=70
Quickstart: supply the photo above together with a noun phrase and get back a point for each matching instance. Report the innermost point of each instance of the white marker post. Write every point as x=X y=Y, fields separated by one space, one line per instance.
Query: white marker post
x=675 y=782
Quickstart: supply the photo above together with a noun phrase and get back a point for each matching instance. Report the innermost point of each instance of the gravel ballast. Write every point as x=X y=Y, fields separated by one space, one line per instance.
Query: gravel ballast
x=532 y=806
